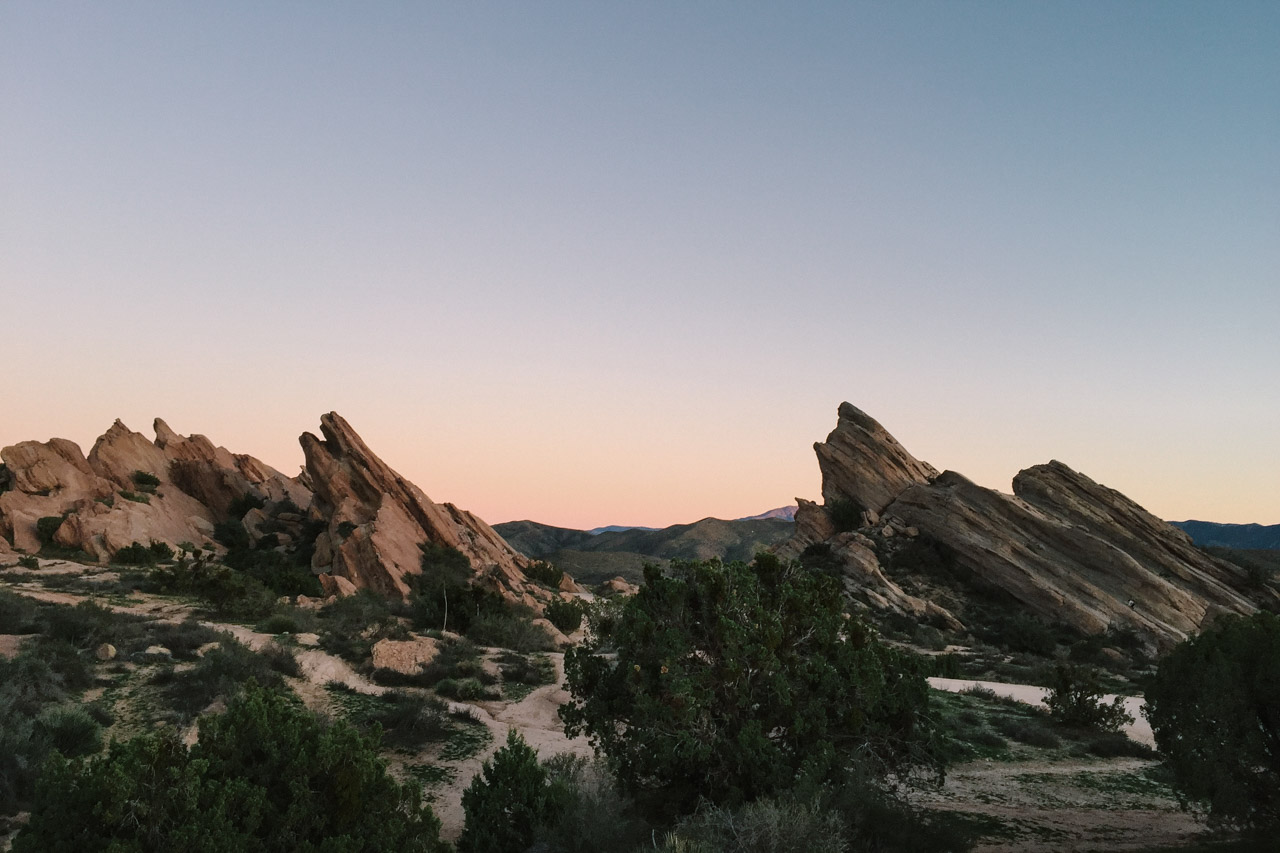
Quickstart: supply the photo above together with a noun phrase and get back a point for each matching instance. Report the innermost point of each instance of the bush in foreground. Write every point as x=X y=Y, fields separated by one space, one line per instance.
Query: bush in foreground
x=267 y=776
x=1214 y=706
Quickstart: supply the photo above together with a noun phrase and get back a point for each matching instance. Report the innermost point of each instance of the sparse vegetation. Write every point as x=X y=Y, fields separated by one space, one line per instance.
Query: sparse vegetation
x=145 y=482
x=135 y=497
x=1075 y=699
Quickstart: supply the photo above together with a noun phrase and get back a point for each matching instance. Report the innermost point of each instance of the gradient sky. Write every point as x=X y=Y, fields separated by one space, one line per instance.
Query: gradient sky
x=597 y=263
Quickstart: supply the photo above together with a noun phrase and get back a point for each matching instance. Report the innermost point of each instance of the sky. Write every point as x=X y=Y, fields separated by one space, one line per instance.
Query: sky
x=618 y=263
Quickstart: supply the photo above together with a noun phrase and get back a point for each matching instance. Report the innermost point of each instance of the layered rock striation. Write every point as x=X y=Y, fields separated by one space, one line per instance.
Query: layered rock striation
x=376 y=520
x=1065 y=548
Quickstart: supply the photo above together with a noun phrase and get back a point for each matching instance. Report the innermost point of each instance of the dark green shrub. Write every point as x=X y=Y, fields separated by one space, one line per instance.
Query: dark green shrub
x=507 y=801
x=345 y=529
x=274 y=570
x=1214 y=705
x=281 y=659
x=1075 y=699
x=46 y=528
x=136 y=554
x=545 y=573
x=509 y=630
x=222 y=671
x=182 y=639
x=410 y=720
x=232 y=535
x=594 y=816
x=28 y=562
x=1022 y=633
x=521 y=669
x=87 y=625
x=160 y=551
x=239 y=507
x=845 y=514
x=1028 y=732
x=565 y=615
x=766 y=825
x=70 y=730
x=145 y=482
x=466 y=690
x=136 y=498
x=17 y=614
x=266 y=775
x=1117 y=745
x=351 y=625
x=69 y=663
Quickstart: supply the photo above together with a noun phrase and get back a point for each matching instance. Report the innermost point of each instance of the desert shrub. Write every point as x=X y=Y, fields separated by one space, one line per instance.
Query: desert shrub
x=274 y=570
x=239 y=507
x=182 y=639
x=456 y=658
x=352 y=625
x=766 y=825
x=17 y=613
x=845 y=514
x=69 y=663
x=508 y=629
x=443 y=598
x=232 y=535
x=508 y=801
x=21 y=754
x=6 y=478
x=731 y=681
x=465 y=689
x=565 y=615
x=1024 y=731
x=410 y=719
x=28 y=562
x=1116 y=745
x=222 y=671
x=145 y=481
x=1214 y=705
x=594 y=816
x=160 y=551
x=135 y=554
x=545 y=573
x=878 y=822
x=70 y=730
x=279 y=623
x=281 y=659
x=28 y=683
x=522 y=669
x=266 y=775
x=1075 y=699
x=87 y=625
x=944 y=665
x=925 y=555
x=135 y=497
x=227 y=593
x=46 y=528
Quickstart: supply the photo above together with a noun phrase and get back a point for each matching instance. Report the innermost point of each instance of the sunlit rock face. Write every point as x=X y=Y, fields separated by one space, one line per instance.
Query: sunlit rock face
x=376 y=520
x=1064 y=547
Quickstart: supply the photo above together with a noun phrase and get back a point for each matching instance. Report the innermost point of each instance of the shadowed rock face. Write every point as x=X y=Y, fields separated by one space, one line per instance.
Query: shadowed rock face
x=1066 y=548
x=376 y=519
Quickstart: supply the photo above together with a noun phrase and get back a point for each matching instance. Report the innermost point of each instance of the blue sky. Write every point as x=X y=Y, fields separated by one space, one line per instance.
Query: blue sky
x=618 y=263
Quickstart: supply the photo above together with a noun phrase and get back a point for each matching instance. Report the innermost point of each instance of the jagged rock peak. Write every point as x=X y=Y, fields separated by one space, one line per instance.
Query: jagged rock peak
x=862 y=462
x=376 y=520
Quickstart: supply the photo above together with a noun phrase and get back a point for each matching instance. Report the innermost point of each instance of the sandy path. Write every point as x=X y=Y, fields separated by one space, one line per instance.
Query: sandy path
x=1139 y=730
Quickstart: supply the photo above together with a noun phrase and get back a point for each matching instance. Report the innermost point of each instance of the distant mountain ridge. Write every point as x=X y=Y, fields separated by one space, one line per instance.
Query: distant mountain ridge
x=1209 y=534
x=593 y=557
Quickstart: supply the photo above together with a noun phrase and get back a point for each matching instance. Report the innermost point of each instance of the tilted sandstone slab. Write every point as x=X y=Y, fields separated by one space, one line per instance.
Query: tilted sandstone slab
x=376 y=520
x=1066 y=548
x=862 y=462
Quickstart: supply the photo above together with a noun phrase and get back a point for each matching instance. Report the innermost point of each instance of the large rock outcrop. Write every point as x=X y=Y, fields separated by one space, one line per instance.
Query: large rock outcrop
x=1064 y=547
x=376 y=520
x=106 y=508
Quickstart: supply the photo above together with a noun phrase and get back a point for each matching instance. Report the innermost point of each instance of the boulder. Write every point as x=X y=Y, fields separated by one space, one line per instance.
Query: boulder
x=105 y=652
x=46 y=478
x=407 y=657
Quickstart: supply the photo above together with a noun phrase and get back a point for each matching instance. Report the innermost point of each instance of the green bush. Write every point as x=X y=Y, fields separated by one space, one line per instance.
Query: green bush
x=1075 y=699
x=465 y=689
x=222 y=672
x=17 y=613
x=182 y=639
x=509 y=630
x=507 y=801
x=88 y=625
x=1214 y=705
x=46 y=528
x=594 y=816
x=732 y=681
x=136 y=498
x=351 y=625
x=565 y=615
x=28 y=562
x=137 y=554
x=764 y=826
x=521 y=669
x=545 y=573
x=70 y=730
x=266 y=775
x=239 y=507
x=1021 y=633
x=845 y=514
x=145 y=481
x=410 y=720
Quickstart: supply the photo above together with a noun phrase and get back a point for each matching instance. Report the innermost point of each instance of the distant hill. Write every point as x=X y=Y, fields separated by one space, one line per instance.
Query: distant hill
x=1208 y=534
x=592 y=558
x=786 y=513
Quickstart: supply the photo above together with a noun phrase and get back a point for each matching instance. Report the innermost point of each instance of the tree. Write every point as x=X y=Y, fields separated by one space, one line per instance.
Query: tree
x=507 y=801
x=266 y=775
x=1075 y=698
x=1214 y=706
x=733 y=681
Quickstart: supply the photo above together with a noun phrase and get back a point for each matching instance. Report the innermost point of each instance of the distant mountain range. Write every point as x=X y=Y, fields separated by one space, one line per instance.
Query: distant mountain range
x=592 y=557
x=1208 y=534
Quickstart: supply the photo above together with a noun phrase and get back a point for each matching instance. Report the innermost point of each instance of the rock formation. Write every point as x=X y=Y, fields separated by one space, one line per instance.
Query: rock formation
x=1064 y=547
x=376 y=520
